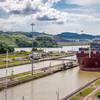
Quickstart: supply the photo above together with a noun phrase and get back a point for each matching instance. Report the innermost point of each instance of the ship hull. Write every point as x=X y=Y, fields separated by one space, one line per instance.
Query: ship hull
x=87 y=63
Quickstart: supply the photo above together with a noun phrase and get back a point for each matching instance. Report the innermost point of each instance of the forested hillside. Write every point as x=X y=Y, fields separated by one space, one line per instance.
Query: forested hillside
x=17 y=39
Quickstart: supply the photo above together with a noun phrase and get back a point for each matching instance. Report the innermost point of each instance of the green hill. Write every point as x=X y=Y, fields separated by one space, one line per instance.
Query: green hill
x=24 y=39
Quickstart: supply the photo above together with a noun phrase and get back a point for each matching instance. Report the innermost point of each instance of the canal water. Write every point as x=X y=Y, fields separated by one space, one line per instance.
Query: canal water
x=47 y=87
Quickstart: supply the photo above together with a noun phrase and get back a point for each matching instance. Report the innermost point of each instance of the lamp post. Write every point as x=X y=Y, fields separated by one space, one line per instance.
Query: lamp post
x=6 y=75
x=32 y=46
x=57 y=93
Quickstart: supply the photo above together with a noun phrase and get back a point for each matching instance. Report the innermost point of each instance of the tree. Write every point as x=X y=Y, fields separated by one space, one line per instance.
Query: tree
x=23 y=42
x=4 y=47
x=46 y=41
x=35 y=43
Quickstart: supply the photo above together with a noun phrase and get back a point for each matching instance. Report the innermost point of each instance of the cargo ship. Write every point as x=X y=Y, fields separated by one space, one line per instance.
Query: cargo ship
x=89 y=58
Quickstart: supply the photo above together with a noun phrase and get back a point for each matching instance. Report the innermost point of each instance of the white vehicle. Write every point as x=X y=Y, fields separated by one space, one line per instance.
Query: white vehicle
x=35 y=56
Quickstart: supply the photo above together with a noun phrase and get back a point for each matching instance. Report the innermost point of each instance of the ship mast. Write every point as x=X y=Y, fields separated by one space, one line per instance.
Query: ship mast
x=90 y=51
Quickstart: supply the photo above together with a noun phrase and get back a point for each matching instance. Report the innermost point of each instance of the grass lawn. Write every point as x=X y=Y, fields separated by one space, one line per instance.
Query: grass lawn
x=27 y=75
x=74 y=98
x=97 y=93
x=97 y=82
x=86 y=91
x=14 y=63
x=14 y=55
x=82 y=94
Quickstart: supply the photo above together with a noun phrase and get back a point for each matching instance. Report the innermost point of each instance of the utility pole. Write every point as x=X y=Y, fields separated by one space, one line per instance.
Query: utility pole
x=57 y=93
x=6 y=75
x=50 y=66
x=32 y=46
x=12 y=73
x=23 y=98
x=12 y=70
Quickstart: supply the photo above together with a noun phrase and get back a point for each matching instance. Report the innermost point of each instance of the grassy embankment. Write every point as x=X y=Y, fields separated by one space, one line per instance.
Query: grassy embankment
x=82 y=94
x=97 y=82
x=97 y=93
x=25 y=59
x=86 y=91
x=27 y=76
x=12 y=57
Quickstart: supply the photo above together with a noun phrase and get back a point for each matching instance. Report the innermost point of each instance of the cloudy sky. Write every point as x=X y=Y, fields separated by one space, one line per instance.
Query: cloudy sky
x=51 y=16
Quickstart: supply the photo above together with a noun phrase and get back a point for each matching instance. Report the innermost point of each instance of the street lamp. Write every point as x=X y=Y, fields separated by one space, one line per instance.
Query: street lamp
x=6 y=75
x=32 y=46
x=57 y=93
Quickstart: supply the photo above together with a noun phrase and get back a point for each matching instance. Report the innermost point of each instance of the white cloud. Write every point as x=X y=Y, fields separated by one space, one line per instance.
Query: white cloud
x=51 y=2
x=44 y=9
x=85 y=2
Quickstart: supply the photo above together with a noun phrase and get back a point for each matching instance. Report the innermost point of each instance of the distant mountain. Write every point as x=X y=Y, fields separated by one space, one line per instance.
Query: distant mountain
x=24 y=39
x=70 y=35
x=61 y=36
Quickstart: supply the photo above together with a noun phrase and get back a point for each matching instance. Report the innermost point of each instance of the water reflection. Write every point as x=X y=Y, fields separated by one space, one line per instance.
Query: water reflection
x=88 y=74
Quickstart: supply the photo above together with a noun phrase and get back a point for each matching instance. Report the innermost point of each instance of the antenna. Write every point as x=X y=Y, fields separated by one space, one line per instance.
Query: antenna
x=82 y=31
x=89 y=51
x=32 y=26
